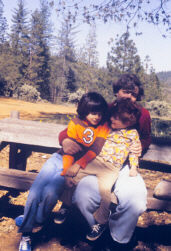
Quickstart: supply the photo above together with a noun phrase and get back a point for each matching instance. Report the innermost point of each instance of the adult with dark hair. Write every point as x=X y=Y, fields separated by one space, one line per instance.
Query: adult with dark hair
x=130 y=191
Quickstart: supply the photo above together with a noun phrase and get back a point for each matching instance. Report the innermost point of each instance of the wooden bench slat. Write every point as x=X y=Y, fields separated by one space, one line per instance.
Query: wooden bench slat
x=158 y=153
x=20 y=180
x=30 y=132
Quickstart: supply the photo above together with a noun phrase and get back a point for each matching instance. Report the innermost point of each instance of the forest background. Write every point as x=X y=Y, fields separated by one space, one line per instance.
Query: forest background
x=31 y=70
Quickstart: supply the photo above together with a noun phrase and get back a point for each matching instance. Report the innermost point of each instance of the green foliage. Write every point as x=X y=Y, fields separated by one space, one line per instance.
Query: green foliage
x=27 y=66
x=19 y=41
x=65 y=40
x=38 y=72
x=123 y=56
x=165 y=79
x=159 y=108
x=3 y=25
x=28 y=93
x=9 y=71
x=161 y=128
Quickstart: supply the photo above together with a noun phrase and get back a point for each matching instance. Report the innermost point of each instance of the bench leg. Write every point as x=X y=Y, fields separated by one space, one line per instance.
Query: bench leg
x=18 y=157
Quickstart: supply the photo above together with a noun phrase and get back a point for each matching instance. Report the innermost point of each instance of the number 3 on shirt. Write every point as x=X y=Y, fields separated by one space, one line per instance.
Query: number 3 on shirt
x=88 y=135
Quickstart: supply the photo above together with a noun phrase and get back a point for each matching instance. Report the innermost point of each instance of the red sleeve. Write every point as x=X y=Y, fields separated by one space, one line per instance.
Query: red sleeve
x=144 y=129
x=62 y=135
x=88 y=156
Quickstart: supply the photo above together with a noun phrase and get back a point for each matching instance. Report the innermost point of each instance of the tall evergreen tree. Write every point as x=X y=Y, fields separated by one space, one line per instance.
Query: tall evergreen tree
x=88 y=53
x=65 y=41
x=39 y=59
x=66 y=53
x=20 y=40
x=3 y=25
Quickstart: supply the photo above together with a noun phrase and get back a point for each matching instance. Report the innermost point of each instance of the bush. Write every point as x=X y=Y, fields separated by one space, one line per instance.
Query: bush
x=158 y=108
x=28 y=93
x=75 y=96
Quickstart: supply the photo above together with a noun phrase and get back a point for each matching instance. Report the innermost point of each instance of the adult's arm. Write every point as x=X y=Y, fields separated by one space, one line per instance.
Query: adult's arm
x=69 y=146
x=145 y=129
x=62 y=135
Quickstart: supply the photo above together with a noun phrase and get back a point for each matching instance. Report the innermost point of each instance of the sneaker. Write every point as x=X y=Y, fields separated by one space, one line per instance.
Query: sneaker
x=19 y=220
x=25 y=244
x=96 y=232
x=61 y=215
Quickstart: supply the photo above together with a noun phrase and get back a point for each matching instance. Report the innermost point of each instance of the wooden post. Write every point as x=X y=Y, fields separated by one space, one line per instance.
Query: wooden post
x=17 y=155
x=15 y=115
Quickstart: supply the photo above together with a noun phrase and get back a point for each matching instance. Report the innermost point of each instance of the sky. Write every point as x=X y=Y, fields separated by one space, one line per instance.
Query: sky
x=150 y=43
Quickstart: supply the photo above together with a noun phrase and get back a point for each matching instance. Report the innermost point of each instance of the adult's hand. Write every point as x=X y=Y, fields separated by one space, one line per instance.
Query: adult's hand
x=73 y=170
x=70 y=147
x=136 y=148
x=69 y=181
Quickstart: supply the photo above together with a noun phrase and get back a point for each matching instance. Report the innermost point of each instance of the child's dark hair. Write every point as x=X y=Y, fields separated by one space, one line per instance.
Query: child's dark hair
x=92 y=102
x=128 y=82
x=125 y=110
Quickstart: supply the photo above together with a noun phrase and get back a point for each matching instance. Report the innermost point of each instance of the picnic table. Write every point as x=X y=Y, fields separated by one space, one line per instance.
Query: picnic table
x=25 y=136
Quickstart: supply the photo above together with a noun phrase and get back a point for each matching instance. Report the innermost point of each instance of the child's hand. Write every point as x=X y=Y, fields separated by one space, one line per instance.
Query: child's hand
x=133 y=172
x=69 y=181
x=73 y=170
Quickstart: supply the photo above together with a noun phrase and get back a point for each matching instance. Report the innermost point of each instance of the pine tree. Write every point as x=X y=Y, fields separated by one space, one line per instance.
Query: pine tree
x=123 y=57
x=66 y=53
x=38 y=73
x=88 y=53
x=20 y=41
x=65 y=41
x=3 y=25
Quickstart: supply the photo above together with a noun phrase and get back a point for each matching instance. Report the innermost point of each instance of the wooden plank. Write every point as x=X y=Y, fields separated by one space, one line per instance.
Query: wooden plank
x=159 y=154
x=163 y=190
x=30 y=132
x=20 y=180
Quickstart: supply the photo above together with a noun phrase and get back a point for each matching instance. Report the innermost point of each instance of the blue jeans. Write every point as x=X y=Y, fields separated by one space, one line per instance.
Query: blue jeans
x=44 y=193
x=132 y=196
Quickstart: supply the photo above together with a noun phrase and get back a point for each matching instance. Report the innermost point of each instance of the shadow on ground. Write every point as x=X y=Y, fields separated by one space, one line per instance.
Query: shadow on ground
x=71 y=234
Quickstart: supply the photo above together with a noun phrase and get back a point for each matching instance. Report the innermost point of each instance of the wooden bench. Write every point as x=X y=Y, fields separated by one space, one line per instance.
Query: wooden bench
x=26 y=136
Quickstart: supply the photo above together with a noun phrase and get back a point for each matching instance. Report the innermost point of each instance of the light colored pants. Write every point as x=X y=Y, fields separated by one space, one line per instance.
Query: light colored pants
x=132 y=197
x=106 y=174
x=44 y=193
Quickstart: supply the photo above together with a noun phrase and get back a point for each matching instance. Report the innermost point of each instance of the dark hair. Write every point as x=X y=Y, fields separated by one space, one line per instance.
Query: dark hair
x=125 y=110
x=92 y=102
x=128 y=82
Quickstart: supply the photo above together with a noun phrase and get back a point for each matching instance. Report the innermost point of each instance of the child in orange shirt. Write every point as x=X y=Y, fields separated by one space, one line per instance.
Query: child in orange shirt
x=89 y=129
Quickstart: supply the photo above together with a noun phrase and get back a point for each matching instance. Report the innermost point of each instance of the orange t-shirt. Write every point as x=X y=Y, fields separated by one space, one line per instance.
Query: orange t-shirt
x=91 y=139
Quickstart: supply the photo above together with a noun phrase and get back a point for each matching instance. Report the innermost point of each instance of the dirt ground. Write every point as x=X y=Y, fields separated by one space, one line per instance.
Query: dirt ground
x=153 y=230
